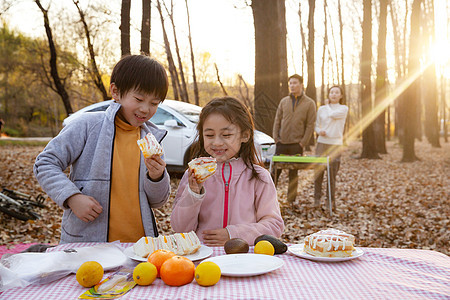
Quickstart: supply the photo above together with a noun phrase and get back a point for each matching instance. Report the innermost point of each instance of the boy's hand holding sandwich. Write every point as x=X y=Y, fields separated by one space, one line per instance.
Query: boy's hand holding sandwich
x=152 y=152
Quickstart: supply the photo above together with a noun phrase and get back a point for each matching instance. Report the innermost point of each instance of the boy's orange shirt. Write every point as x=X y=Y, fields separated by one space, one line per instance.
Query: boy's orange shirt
x=125 y=222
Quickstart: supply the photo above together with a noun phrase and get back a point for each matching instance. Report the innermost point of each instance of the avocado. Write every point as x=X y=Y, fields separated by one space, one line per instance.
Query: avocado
x=236 y=245
x=279 y=246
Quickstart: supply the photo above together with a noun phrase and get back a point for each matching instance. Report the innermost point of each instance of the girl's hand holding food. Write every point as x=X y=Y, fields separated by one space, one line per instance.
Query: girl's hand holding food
x=193 y=184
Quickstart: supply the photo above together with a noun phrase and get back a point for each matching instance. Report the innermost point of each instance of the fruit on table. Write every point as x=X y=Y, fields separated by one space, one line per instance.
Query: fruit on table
x=177 y=271
x=159 y=257
x=236 y=245
x=145 y=273
x=207 y=273
x=89 y=274
x=279 y=246
x=264 y=247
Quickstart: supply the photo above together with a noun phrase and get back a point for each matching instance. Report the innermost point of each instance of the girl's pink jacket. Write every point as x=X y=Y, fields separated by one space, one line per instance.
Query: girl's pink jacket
x=253 y=207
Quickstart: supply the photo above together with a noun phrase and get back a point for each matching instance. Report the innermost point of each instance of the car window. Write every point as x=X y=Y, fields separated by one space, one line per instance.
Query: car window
x=189 y=111
x=191 y=114
x=162 y=115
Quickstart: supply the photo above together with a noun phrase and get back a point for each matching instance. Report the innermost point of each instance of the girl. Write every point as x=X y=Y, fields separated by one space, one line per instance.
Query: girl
x=240 y=199
x=330 y=124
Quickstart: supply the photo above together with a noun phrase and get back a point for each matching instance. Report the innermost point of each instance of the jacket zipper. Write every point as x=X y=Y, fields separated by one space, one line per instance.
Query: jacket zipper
x=227 y=188
x=110 y=181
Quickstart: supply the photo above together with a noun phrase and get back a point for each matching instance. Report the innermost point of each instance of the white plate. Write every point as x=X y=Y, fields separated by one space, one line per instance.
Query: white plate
x=202 y=253
x=246 y=264
x=299 y=251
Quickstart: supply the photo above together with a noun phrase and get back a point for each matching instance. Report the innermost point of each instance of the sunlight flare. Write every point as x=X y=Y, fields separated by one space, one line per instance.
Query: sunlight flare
x=366 y=120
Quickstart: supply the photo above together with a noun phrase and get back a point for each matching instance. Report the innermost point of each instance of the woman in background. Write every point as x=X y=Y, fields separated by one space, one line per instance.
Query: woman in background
x=330 y=124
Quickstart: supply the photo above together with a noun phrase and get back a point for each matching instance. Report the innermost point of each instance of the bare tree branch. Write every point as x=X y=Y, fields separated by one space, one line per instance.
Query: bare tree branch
x=93 y=72
x=220 y=82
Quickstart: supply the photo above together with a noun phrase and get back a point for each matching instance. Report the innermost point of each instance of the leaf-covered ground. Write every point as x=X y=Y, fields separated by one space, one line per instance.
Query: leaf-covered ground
x=384 y=203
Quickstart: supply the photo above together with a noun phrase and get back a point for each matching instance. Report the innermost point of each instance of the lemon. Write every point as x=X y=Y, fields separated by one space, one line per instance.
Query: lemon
x=89 y=274
x=207 y=273
x=264 y=247
x=145 y=273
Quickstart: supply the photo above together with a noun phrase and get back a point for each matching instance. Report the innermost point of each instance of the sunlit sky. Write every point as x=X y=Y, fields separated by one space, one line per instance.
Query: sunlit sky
x=224 y=28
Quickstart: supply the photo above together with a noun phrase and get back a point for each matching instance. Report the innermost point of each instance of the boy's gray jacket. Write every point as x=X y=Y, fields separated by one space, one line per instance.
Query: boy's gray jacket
x=86 y=144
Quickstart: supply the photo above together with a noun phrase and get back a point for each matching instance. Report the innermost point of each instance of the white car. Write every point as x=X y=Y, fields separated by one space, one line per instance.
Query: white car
x=180 y=120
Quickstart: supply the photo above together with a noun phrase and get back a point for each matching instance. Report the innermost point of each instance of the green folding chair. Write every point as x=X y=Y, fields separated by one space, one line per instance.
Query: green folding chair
x=305 y=161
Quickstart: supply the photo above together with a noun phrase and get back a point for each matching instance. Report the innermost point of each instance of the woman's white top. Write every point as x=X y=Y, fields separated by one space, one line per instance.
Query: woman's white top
x=331 y=119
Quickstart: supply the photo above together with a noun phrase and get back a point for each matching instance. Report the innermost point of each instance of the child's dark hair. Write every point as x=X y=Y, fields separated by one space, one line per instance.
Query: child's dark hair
x=342 y=100
x=142 y=73
x=235 y=112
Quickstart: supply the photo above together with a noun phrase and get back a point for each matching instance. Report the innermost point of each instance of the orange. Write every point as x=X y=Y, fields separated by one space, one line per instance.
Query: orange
x=177 y=271
x=159 y=257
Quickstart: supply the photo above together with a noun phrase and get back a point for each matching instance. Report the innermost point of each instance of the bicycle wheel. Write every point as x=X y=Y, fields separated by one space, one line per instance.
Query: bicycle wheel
x=15 y=213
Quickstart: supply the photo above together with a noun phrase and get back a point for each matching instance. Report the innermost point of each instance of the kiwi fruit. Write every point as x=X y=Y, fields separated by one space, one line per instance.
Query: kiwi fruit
x=236 y=245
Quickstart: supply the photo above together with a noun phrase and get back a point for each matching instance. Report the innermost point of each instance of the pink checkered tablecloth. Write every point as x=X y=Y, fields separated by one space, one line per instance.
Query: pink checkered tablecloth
x=378 y=274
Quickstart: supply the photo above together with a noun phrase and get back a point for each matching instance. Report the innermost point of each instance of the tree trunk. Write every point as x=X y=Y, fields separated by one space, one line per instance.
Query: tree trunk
x=405 y=25
x=59 y=85
x=341 y=35
x=444 y=107
x=380 y=83
x=334 y=63
x=311 y=87
x=396 y=35
x=344 y=100
x=398 y=66
x=270 y=74
x=431 y=94
x=146 y=26
x=125 y=27
x=325 y=44
x=194 y=77
x=388 y=136
x=93 y=71
x=411 y=99
x=368 y=138
x=302 y=33
x=172 y=68
x=183 y=89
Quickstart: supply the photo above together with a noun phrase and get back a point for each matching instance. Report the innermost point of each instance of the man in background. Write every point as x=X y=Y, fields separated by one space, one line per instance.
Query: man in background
x=293 y=127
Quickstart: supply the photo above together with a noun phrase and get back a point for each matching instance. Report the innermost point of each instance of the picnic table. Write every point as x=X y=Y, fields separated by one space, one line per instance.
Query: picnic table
x=381 y=273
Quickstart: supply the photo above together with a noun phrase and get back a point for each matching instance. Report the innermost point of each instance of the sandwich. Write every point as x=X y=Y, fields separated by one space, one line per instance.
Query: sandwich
x=203 y=167
x=150 y=146
x=178 y=243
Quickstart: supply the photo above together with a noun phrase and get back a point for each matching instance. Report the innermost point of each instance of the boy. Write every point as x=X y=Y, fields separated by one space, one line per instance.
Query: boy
x=111 y=189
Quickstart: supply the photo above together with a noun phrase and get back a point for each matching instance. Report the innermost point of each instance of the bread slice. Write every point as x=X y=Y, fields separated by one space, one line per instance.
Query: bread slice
x=178 y=243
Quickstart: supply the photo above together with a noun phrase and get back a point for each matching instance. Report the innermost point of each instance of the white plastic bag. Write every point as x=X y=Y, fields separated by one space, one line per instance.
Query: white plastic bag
x=23 y=269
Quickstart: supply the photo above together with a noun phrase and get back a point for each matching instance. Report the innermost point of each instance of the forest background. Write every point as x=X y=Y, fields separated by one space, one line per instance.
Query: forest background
x=391 y=57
